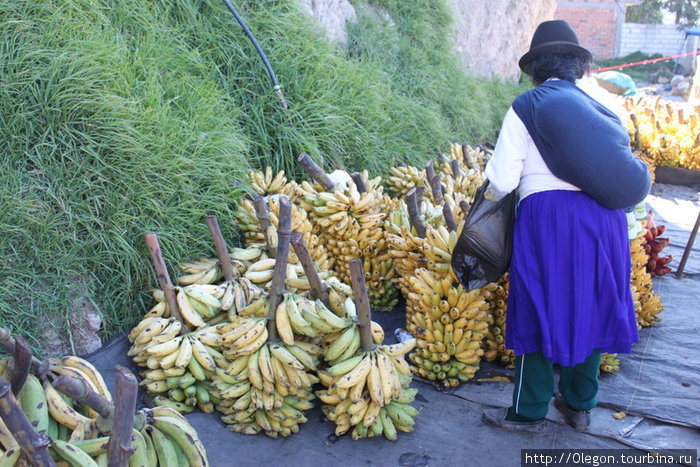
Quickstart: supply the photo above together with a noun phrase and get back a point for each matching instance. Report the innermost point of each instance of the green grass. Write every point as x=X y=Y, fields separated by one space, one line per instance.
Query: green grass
x=126 y=117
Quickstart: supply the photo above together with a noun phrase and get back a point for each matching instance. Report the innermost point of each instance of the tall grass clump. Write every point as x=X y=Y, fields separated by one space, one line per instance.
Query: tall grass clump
x=129 y=116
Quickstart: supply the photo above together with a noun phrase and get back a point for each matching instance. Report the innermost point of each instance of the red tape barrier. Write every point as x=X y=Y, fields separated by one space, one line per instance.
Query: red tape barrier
x=644 y=62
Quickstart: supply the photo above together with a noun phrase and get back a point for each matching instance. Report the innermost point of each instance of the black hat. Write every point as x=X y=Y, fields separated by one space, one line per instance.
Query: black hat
x=554 y=36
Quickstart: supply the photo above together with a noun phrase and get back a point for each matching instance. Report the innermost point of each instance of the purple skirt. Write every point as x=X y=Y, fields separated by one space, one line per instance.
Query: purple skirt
x=569 y=279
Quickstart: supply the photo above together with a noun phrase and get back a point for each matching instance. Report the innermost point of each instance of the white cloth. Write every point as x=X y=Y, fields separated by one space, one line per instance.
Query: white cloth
x=516 y=162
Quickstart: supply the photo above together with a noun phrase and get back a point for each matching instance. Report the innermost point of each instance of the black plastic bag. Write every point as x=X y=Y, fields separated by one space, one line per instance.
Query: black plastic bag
x=483 y=250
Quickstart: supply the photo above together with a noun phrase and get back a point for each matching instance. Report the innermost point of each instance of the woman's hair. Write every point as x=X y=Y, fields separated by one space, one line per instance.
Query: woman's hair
x=553 y=65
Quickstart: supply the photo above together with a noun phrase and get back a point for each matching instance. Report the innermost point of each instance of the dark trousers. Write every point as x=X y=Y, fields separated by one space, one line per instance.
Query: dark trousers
x=534 y=385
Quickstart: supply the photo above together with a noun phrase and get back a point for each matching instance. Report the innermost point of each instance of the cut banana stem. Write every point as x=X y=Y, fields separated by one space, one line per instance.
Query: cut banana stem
x=80 y=391
x=166 y=284
x=221 y=249
x=125 y=393
x=318 y=288
x=316 y=172
x=263 y=216
x=364 y=313
x=280 y=272
x=34 y=444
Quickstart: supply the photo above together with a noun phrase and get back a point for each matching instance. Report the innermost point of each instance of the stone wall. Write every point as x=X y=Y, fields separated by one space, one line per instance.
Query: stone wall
x=489 y=36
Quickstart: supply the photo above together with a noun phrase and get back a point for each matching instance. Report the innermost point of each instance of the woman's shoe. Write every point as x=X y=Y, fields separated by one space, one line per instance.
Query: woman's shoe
x=497 y=417
x=577 y=419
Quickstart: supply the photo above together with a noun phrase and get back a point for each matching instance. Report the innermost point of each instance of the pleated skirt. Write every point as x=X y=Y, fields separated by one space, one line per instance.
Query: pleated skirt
x=569 y=279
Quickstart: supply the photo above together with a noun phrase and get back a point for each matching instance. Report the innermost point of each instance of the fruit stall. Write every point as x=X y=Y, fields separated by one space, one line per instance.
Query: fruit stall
x=259 y=335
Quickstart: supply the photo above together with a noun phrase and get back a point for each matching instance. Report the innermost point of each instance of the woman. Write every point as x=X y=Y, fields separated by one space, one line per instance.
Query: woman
x=569 y=299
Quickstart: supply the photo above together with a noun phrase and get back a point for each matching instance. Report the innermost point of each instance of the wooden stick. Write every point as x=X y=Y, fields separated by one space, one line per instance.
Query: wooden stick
x=80 y=391
x=34 y=445
x=221 y=249
x=449 y=217
x=319 y=289
x=359 y=293
x=119 y=449
x=277 y=286
x=414 y=213
x=164 y=278
x=316 y=172
x=22 y=364
x=688 y=247
x=359 y=182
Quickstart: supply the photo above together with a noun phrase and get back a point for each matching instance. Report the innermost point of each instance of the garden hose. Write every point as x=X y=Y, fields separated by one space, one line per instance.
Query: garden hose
x=277 y=88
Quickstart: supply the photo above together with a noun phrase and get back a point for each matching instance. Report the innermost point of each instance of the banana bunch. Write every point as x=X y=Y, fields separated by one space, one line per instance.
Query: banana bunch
x=404 y=178
x=437 y=248
x=449 y=323
x=201 y=271
x=653 y=244
x=647 y=304
x=609 y=363
x=460 y=180
x=268 y=389
x=80 y=437
x=668 y=135
x=178 y=370
x=167 y=439
x=268 y=184
x=350 y=225
x=369 y=392
x=300 y=316
x=247 y=221
x=494 y=341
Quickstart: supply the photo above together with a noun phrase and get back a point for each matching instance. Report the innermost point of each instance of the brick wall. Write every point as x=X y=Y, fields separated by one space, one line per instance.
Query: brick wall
x=595 y=23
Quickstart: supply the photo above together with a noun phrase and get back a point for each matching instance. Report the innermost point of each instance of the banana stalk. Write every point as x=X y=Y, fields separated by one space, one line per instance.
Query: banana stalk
x=221 y=249
x=318 y=287
x=280 y=271
x=33 y=444
x=166 y=284
x=126 y=389
x=364 y=313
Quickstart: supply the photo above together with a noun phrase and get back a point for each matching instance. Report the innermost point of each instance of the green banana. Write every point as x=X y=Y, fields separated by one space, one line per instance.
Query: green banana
x=388 y=427
x=34 y=404
x=166 y=453
x=139 y=458
x=187 y=441
x=74 y=456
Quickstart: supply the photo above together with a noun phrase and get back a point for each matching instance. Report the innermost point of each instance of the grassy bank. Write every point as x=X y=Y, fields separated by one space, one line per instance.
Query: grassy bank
x=124 y=117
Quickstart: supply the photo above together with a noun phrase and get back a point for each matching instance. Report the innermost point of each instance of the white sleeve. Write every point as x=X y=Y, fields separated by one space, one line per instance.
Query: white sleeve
x=506 y=164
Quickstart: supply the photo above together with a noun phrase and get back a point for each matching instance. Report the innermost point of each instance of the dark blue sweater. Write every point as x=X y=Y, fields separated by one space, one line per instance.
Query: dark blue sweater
x=583 y=143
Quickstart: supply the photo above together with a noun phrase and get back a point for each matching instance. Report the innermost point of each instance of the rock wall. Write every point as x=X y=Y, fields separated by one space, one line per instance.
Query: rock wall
x=331 y=15
x=489 y=36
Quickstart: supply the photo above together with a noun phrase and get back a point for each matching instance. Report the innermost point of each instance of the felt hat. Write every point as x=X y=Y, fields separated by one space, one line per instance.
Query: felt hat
x=554 y=36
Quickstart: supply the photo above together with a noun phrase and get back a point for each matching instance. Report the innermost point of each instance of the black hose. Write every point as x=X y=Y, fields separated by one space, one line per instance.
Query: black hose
x=270 y=71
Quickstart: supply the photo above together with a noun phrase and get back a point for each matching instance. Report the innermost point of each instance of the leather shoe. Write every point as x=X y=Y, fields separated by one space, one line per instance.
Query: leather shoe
x=497 y=417
x=577 y=419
